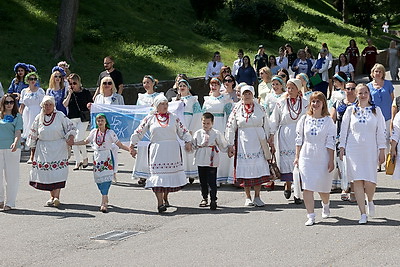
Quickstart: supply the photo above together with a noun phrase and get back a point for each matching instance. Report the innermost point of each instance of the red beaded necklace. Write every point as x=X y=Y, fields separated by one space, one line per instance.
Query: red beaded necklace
x=100 y=142
x=163 y=119
x=291 y=107
x=248 y=109
x=47 y=123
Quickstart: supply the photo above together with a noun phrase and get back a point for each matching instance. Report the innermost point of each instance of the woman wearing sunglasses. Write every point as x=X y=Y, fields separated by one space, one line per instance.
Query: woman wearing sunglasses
x=229 y=83
x=10 y=153
x=57 y=88
x=77 y=101
x=30 y=100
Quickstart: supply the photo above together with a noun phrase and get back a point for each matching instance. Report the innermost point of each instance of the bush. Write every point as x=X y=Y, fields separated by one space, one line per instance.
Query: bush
x=258 y=16
x=207 y=29
x=309 y=34
x=159 y=50
x=206 y=9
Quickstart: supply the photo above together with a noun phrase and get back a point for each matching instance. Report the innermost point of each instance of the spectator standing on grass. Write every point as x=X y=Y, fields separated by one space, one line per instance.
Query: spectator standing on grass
x=320 y=67
x=302 y=64
x=369 y=52
x=238 y=62
x=385 y=27
x=352 y=53
x=346 y=67
x=214 y=67
x=393 y=60
x=273 y=65
x=112 y=72
x=260 y=59
x=246 y=73
x=291 y=56
x=282 y=60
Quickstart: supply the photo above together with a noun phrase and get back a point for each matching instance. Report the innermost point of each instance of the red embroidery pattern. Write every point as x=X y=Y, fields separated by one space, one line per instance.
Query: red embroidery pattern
x=50 y=166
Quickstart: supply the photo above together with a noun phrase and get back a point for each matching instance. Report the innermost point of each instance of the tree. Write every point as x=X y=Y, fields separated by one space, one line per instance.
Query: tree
x=65 y=32
x=345 y=12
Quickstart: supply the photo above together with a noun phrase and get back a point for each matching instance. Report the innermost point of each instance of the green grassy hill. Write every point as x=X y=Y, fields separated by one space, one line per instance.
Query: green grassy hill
x=154 y=37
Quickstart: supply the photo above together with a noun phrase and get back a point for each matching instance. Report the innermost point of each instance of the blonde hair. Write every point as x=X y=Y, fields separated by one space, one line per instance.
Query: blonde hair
x=321 y=97
x=107 y=79
x=267 y=72
x=392 y=44
x=52 y=81
x=379 y=67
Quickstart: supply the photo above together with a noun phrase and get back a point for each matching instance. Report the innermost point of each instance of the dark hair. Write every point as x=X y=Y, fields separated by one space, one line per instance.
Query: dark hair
x=17 y=78
x=342 y=75
x=342 y=54
x=110 y=58
x=308 y=50
x=281 y=49
x=289 y=45
x=233 y=78
x=241 y=51
x=248 y=58
x=284 y=71
x=14 y=110
x=216 y=53
x=208 y=115
x=269 y=64
x=352 y=40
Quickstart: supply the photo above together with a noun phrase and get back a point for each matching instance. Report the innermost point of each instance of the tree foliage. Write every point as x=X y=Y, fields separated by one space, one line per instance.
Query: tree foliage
x=206 y=9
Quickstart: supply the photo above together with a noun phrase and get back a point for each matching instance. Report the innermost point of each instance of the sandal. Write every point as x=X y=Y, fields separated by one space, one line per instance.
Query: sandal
x=162 y=208
x=203 y=203
x=344 y=197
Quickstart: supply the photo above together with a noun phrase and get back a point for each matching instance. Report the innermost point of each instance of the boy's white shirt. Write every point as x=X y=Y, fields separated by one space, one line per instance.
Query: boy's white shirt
x=204 y=150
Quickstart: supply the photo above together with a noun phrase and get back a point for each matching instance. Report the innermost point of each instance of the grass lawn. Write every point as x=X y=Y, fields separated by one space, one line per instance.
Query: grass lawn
x=155 y=37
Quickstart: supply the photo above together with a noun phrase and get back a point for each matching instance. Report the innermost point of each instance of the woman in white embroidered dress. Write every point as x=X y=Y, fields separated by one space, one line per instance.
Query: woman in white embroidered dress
x=249 y=123
x=49 y=136
x=315 y=146
x=362 y=140
x=192 y=115
x=305 y=82
x=271 y=99
x=287 y=112
x=29 y=101
x=165 y=157
x=141 y=168
x=220 y=105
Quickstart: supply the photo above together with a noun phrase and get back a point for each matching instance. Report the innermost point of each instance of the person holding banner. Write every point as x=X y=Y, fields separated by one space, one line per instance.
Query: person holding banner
x=108 y=95
x=192 y=115
x=220 y=105
x=77 y=101
x=141 y=167
x=165 y=157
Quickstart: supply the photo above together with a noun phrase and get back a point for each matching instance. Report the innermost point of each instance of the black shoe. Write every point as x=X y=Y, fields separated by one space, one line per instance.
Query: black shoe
x=298 y=201
x=287 y=193
x=191 y=180
x=213 y=205
x=142 y=181
x=162 y=208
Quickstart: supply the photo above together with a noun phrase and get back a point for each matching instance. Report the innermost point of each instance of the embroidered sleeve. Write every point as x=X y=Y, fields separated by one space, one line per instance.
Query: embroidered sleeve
x=33 y=133
x=330 y=134
x=68 y=126
x=182 y=132
x=141 y=130
x=231 y=128
x=300 y=131
x=275 y=118
x=221 y=142
x=114 y=137
x=91 y=136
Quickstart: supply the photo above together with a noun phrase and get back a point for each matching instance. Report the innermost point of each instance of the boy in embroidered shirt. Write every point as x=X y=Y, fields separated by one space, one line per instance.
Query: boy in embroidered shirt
x=208 y=142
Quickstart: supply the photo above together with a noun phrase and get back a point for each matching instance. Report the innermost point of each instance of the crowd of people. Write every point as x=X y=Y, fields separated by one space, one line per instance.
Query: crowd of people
x=278 y=106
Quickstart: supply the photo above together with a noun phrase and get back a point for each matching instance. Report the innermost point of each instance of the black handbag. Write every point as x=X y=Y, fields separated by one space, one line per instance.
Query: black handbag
x=84 y=115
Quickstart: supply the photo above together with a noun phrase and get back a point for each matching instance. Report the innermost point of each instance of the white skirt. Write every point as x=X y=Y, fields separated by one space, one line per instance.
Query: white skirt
x=166 y=165
x=103 y=166
x=50 y=163
x=141 y=168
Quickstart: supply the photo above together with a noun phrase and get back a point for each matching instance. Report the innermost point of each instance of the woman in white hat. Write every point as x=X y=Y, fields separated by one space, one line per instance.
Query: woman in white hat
x=287 y=112
x=250 y=120
x=165 y=157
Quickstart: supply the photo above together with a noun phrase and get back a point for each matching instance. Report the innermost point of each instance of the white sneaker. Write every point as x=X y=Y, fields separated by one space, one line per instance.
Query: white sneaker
x=50 y=202
x=364 y=219
x=311 y=219
x=325 y=210
x=258 y=202
x=370 y=209
x=248 y=203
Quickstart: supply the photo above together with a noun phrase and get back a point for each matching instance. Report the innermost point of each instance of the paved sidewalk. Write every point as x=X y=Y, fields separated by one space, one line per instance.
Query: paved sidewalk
x=233 y=235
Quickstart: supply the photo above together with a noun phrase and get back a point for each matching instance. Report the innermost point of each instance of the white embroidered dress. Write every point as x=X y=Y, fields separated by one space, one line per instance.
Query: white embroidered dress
x=221 y=107
x=250 y=160
x=192 y=115
x=362 y=134
x=103 y=159
x=283 y=123
x=165 y=155
x=50 y=163
x=315 y=136
x=141 y=167
x=32 y=101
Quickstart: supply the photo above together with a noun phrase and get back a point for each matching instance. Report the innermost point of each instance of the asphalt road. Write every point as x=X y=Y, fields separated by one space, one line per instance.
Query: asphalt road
x=186 y=235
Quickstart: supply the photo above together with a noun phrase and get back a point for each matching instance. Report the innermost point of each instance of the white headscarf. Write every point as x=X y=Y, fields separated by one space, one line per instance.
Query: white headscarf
x=158 y=100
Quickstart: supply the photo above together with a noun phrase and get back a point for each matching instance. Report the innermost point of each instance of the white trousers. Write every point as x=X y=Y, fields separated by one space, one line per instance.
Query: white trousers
x=9 y=176
x=80 y=152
